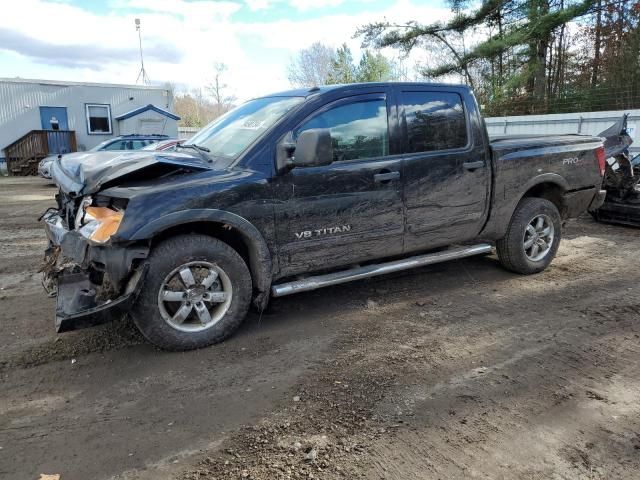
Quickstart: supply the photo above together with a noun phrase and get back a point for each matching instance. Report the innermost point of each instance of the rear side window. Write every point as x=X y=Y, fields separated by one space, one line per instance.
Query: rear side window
x=358 y=130
x=434 y=121
x=119 y=145
x=138 y=144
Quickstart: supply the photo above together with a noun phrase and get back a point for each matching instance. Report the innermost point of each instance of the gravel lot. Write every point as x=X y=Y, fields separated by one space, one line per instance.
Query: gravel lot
x=460 y=370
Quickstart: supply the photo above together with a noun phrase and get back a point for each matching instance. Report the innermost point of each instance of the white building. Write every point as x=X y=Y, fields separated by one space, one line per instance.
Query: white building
x=93 y=112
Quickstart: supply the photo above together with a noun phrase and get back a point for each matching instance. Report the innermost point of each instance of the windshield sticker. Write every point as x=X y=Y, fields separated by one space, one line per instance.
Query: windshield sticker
x=253 y=125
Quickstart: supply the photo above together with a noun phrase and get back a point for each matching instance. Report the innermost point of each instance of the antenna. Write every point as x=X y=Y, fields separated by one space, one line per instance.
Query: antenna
x=143 y=73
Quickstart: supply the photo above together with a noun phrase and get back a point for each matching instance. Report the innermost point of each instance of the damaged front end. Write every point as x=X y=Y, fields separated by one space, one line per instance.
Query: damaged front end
x=93 y=277
x=622 y=178
x=94 y=273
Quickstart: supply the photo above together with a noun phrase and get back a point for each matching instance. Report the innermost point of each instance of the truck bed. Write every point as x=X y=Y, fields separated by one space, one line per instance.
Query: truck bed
x=505 y=143
x=519 y=162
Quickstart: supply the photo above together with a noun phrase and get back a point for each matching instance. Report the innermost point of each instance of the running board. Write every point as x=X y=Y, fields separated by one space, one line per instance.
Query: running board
x=358 y=273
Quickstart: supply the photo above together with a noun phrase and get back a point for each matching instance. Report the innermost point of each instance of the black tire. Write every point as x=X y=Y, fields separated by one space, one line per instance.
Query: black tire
x=166 y=258
x=511 y=250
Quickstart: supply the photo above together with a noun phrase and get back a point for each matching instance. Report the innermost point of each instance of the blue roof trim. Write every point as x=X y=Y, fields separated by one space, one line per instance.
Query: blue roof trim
x=137 y=111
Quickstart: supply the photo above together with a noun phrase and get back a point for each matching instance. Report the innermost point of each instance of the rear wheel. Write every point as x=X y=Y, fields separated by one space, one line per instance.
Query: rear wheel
x=196 y=293
x=532 y=238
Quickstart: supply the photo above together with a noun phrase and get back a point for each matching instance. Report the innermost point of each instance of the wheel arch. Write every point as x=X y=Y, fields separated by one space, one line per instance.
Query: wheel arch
x=234 y=230
x=549 y=190
x=547 y=185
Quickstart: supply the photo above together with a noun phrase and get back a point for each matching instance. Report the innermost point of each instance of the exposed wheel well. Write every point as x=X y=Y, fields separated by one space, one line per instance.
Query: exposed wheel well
x=550 y=191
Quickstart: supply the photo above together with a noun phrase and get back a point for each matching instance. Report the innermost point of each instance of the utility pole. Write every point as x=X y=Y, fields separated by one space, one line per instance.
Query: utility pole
x=143 y=73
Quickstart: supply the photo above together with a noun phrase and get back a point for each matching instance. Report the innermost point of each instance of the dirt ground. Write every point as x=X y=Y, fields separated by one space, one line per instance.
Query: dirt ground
x=460 y=370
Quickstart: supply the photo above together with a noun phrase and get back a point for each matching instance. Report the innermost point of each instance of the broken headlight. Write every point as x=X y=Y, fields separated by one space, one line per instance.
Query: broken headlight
x=97 y=224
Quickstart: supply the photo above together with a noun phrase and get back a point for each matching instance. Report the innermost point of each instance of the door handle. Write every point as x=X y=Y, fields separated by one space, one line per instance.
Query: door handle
x=471 y=166
x=386 y=177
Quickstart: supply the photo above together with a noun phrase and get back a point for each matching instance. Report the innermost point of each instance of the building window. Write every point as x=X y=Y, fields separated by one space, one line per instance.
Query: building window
x=98 y=119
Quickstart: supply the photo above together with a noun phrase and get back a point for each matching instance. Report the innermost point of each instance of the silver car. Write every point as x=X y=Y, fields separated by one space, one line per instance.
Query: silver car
x=122 y=143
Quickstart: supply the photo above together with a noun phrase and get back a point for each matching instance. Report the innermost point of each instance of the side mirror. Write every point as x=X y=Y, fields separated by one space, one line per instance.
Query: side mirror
x=313 y=148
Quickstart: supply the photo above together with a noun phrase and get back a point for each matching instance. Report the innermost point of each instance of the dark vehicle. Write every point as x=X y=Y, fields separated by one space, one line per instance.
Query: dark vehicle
x=300 y=190
x=621 y=179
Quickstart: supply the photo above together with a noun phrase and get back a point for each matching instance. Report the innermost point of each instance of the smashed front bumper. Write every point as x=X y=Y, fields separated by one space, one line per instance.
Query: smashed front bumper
x=92 y=284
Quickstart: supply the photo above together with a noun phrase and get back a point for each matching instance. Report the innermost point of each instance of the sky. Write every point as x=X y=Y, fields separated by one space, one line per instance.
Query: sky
x=96 y=41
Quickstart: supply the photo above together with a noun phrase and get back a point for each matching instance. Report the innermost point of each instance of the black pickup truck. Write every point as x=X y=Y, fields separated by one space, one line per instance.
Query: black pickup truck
x=299 y=190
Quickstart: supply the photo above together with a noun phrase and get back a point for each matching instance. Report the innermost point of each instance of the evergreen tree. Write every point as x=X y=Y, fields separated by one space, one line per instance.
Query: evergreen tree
x=373 y=68
x=342 y=69
x=533 y=55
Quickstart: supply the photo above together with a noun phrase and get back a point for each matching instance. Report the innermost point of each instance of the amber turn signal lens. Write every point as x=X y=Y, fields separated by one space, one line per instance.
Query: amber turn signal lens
x=108 y=220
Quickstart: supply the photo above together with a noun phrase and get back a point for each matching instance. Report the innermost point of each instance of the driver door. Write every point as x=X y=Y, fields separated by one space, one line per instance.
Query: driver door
x=351 y=210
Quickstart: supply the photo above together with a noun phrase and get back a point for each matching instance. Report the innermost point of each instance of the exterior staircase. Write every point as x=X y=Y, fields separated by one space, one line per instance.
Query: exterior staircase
x=24 y=154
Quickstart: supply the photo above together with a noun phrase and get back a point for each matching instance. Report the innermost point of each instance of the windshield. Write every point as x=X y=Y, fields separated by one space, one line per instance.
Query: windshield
x=232 y=133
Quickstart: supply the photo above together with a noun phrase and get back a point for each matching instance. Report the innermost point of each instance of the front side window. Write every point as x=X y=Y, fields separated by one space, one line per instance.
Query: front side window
x=232 y=133
x=434 y=121
x=359 y=130
x=98 y=119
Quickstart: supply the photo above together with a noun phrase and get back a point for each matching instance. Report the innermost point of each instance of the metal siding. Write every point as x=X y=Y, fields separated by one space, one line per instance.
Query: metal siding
x=590 y=123
x=20 y=102
x=132 y=124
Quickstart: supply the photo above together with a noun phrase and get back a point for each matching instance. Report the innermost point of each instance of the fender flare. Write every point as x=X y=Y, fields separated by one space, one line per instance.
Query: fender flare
x=553 y=178
x=544 y=178
x=496 y=226
x=259 y=254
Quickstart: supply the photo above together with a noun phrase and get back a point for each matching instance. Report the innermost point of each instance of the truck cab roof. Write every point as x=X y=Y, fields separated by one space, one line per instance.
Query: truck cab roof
x=309 y=92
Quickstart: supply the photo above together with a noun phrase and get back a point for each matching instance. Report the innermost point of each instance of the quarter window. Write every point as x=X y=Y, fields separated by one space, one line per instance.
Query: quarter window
x=434 y=121
x=98 y=119
x=358 y=130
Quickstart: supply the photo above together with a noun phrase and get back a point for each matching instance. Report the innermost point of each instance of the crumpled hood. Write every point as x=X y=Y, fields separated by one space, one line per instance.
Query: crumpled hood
x=83 y=173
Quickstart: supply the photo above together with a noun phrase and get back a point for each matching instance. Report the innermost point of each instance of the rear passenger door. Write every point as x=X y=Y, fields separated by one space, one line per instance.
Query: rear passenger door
x=446 y=177
x=351 y=210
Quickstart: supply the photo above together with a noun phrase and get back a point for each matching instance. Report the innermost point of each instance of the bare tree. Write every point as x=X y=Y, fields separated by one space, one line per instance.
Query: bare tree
x=222 y=99
x=312 y=66
x=194 y=108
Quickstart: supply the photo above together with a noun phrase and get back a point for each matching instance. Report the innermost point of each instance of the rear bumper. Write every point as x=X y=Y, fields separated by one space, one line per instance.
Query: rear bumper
x=92 y=284
x=578 y=202
x=598 y=200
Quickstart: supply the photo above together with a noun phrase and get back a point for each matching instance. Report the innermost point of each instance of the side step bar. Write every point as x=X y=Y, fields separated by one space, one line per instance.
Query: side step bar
x=344 y=276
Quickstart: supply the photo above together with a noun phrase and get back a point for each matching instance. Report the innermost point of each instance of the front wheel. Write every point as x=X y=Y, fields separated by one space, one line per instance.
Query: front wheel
x=196 y=293
x=532 y=238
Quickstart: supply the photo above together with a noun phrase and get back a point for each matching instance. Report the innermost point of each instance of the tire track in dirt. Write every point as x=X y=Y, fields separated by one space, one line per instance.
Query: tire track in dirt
x=537 y=407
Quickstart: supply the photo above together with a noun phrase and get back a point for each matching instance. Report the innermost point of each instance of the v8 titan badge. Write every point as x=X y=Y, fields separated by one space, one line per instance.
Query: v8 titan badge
x=322 y=231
